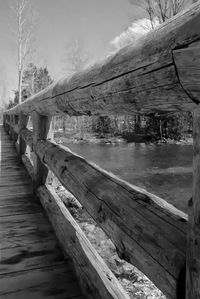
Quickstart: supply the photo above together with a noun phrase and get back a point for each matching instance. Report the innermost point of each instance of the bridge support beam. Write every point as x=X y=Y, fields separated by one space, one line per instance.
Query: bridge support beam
x=193 y=249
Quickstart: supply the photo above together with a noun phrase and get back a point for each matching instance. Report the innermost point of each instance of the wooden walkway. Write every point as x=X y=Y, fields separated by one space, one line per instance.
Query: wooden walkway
x=31 y=262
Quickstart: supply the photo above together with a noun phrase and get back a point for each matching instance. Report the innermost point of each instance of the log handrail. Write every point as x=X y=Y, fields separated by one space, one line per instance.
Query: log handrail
x=147 y=231
x=150 y=76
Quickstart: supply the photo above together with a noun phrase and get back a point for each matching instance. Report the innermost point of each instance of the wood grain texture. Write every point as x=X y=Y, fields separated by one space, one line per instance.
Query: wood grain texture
x=16 y=128
x=96 y=280
x=187 y=62
x=193 y=248
x=53 y=282
x=41 y=126
x=27 y=136
x=31 y=262
x=139 y=78
x=23 y=121
x=29 y=167
x=147 y=231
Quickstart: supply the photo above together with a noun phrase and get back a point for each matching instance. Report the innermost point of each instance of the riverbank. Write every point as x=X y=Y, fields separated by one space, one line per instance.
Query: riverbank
x=88 y=138
x=108 y=139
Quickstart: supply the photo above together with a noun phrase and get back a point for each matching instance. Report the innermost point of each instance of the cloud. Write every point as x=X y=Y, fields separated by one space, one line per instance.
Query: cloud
x=132 y=34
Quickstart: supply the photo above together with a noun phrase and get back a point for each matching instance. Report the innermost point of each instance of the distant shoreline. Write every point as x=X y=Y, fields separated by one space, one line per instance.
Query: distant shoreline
x=92 y=139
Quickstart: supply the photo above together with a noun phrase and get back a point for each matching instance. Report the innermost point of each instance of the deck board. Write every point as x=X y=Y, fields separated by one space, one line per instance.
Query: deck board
x=31 y=262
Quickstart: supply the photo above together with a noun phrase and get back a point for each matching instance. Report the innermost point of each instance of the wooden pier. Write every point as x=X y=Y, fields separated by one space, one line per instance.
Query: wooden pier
x=160 y=74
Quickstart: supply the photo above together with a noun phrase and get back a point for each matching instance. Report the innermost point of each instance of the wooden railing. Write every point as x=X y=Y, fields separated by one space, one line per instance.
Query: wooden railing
x=161 y=73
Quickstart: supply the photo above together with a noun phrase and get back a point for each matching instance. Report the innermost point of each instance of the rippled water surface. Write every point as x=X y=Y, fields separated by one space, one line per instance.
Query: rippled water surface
x=165 y=170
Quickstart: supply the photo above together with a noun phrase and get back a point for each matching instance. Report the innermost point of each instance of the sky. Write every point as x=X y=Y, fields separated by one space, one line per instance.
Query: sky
x=94 y=22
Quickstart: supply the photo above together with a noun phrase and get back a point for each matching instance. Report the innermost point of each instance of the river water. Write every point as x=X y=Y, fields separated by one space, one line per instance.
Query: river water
x=165 y=170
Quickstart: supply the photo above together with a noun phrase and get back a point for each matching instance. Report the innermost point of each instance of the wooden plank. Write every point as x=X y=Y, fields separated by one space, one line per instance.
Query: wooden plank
x=40 y=283
x=18 y=230
x=15 y=190
x=147 y=231
x=13 y=201
x=16 y=181
x=33 y=256
x=17 y=196
x=22 y=221
x=38 y=295
x=193 y=246
x=18 y=208
x=141 y=77
x=32 y=264
x=96 y=280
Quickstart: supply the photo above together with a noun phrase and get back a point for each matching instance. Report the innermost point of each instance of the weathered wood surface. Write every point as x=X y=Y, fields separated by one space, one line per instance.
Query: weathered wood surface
x=146 y=230
x=16 y=128
x=95 y=277
x=189 y=71
x=41 y=125
x=193 y=248
x=29 y=167
x=27 y=136
x=31 y=262
x=23 y=120
x=55 y=281
x=142 y=77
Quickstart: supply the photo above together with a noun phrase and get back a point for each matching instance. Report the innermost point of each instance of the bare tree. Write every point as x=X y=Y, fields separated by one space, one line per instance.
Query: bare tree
x=160 y=10
x=75 y=57
x=25 y=21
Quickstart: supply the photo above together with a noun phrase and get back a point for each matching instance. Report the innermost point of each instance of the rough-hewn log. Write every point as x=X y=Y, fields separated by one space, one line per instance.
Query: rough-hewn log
x=7 y=123
x=187 y=62
x=146 y=230
x=11 y=131
x=29 y=167
x=23 y=120
x=16 y=128
x=27 y=136
x=95 y=278
x=142 y=77
x=41 y=126
x=193 y=248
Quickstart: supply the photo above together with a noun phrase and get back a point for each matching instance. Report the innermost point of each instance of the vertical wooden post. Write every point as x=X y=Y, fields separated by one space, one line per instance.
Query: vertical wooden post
x=15 y=134
x=10 y=128
x=4 y=121
x=41 y=127
x=193 y=246
x=23 y=121
x=50 y=179
x=8 y=124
